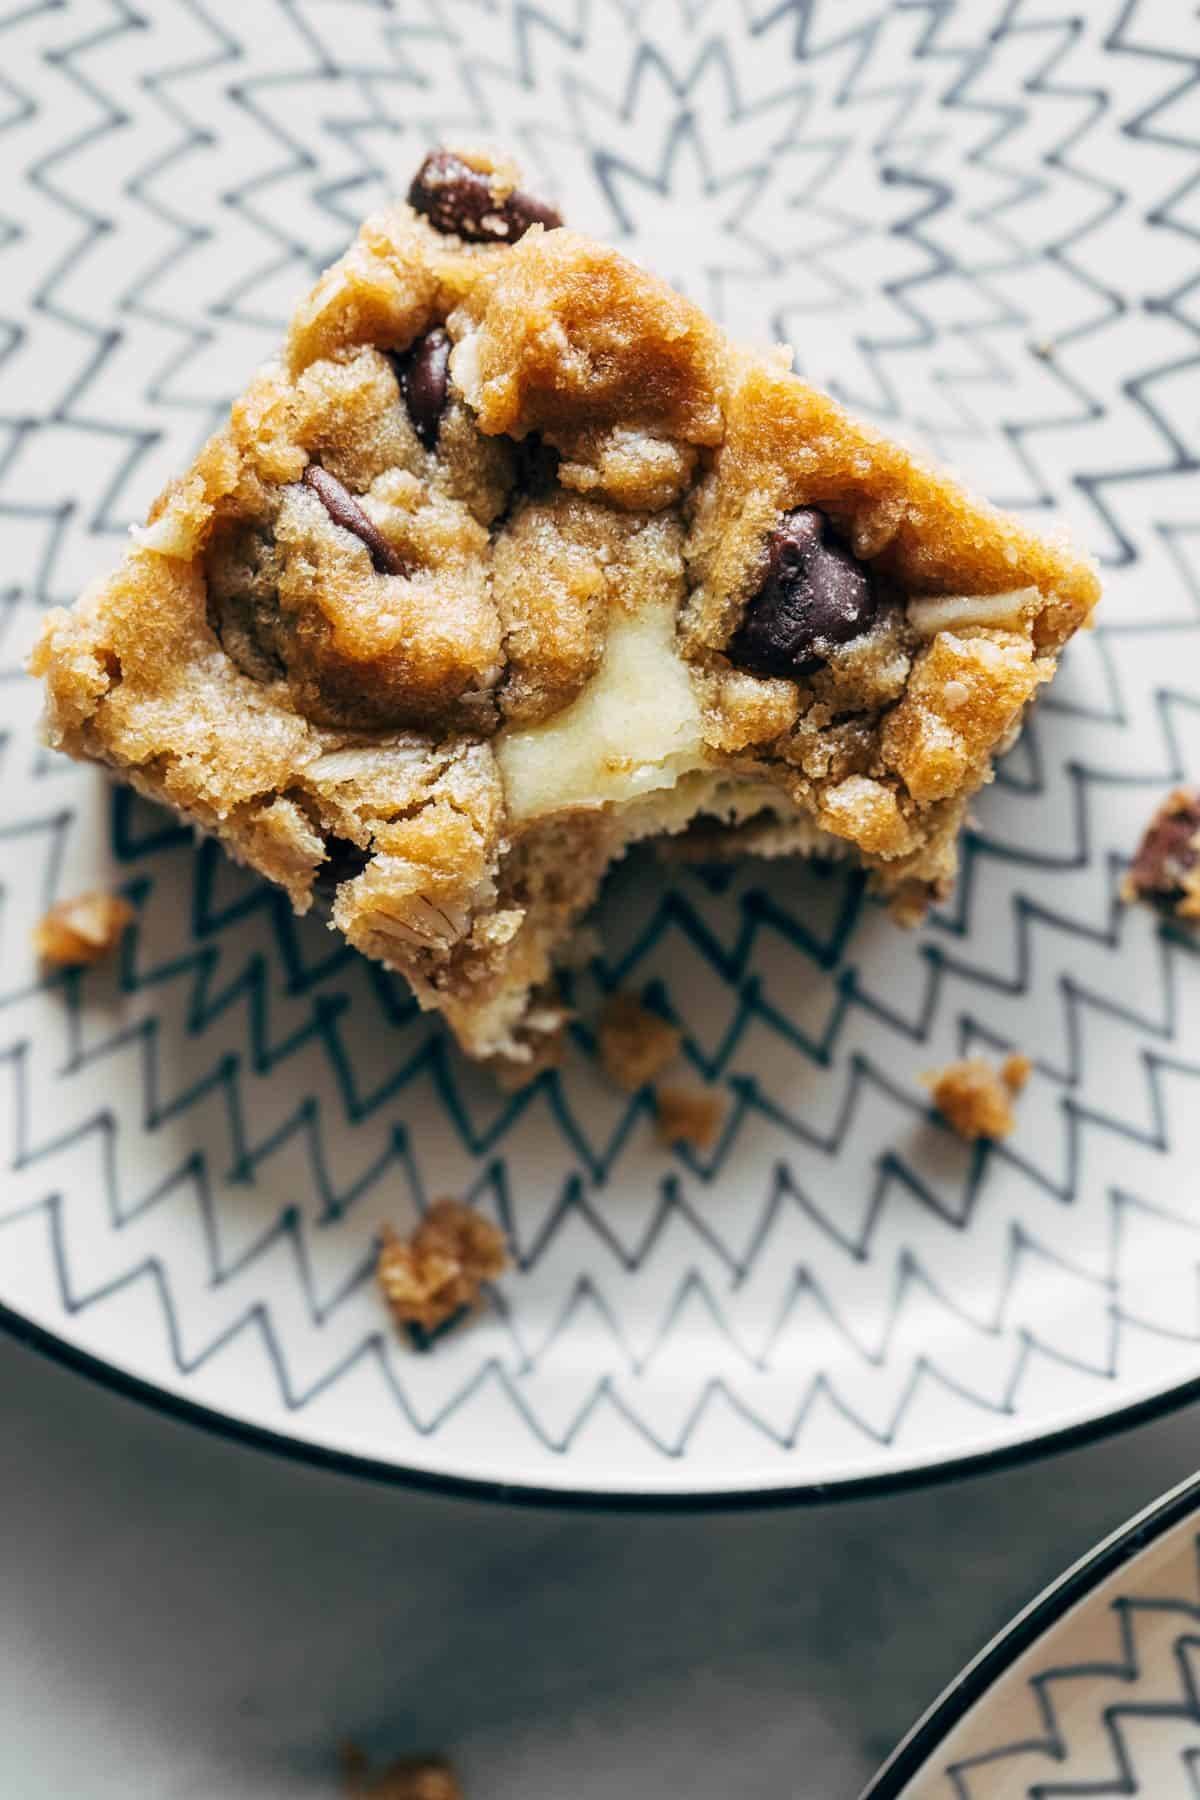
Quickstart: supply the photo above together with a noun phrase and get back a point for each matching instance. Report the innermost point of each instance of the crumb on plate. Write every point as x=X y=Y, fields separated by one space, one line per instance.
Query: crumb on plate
x=688 y=1116
x=634 y=1043
x=83 y=930
x=976 y=1100
x=439 y=1268
x=1165 y=870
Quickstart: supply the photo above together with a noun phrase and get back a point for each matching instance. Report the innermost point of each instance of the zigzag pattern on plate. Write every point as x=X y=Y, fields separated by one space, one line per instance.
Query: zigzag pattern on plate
x=221 y=1125
x=1110 y=1704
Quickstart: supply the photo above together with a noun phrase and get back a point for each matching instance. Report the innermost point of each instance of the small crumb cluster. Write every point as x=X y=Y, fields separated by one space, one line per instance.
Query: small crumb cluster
x=80 y=931
x=411 y=1778
x=688 y=1116
x=439 y=1269
x=1165 y=870
x=635 y=1045
x=976 y=1100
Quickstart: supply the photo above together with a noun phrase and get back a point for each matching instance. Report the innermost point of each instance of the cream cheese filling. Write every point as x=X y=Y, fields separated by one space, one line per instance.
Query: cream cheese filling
x=636 y=728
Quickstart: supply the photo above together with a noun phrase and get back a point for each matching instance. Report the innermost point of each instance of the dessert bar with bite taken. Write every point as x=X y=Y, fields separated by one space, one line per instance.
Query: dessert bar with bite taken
x=512 y=559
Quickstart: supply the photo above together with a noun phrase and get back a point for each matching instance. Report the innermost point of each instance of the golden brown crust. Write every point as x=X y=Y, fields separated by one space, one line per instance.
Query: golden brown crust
x=330 y=636
x=787 y=445
x=569 y=338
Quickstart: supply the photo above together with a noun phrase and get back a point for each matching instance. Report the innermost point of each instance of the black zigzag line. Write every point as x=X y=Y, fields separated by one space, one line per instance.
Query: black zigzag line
x=42 y=176
x=823 y=1387
x=22 y=108
x=1180 y=458
x=192 y=1173
x=1078 y=853
x=211 y=998
x=929 y=197
x=1026 y=186
x=608 y=160
x=1055 y=1742
x=136 y=301
x=433 y=1056
x=895 y=1426
x=998 y=312
x=1122 y=1205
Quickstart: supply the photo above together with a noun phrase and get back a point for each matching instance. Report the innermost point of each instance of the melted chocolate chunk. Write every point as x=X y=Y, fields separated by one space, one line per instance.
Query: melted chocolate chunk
x=424 y=376
x=345 y=511
x=458 y=200
x=1168 y=853
x=814 y=596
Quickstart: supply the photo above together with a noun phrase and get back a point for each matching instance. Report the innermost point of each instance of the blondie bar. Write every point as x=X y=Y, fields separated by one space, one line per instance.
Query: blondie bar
x=511 y=559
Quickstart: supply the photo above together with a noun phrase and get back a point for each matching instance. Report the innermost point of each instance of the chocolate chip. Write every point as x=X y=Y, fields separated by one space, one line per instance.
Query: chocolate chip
x=345 y=511
x=1168 y=853
x=344 y=859
x=424 y=375
x=814 y=595
x=458 y=200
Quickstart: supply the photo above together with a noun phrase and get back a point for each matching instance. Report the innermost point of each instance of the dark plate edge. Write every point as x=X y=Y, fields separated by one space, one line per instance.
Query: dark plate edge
x=1124 y=1545
x=220 y=1424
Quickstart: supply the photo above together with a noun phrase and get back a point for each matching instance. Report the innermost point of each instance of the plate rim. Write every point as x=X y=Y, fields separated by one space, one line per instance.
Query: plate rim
x=1122 y=1546
x=219 y=1423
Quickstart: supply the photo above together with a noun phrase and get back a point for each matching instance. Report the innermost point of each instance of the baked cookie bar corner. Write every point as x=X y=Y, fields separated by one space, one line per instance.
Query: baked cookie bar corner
x=511 y=559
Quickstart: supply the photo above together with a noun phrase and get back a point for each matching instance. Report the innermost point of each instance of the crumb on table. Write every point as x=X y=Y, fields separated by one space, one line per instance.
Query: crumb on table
x=635 y=1044
x=440 y=1267
x=688 y=1116
x=975 y=1099
x=411 y=1778
x=83 y=930
x=1166 y=866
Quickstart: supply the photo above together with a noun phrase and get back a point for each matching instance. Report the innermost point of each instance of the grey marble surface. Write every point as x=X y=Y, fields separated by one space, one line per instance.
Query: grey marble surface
x=185 y=1617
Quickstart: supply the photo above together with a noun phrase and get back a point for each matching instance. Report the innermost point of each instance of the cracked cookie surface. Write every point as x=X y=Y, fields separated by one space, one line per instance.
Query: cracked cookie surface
x=511 y=559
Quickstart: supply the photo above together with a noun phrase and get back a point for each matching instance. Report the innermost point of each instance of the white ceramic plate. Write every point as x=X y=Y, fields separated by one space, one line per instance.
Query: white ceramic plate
x=1093 y=1689
x=976 y=223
